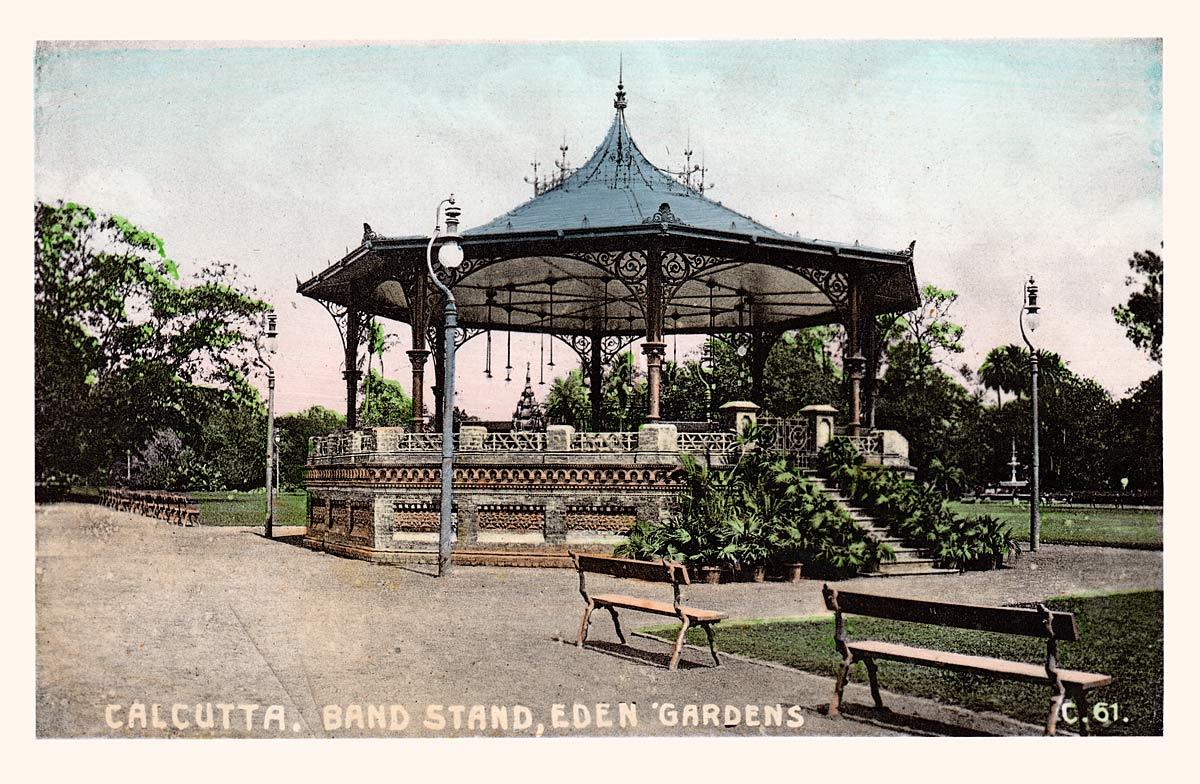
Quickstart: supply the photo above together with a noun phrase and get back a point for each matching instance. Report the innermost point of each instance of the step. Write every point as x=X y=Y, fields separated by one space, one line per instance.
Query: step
x=918 y=566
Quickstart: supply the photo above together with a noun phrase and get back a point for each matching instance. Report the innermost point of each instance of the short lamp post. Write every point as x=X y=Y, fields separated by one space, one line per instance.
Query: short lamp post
x=450 y=255
x=1032 y=318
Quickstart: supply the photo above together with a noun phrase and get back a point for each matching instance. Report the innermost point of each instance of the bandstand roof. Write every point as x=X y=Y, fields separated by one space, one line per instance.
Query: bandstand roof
x=574 y=260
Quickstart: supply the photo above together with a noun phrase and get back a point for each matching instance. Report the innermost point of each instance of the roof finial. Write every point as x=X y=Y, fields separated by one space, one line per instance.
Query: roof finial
x=619 y=103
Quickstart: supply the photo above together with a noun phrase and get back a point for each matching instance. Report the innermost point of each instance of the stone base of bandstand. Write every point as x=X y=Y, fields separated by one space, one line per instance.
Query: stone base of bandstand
x=517 y=509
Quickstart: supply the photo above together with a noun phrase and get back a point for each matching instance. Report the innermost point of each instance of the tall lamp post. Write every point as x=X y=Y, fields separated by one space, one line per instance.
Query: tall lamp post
x=270 y=336
x=1031 y=318
x=450 y=255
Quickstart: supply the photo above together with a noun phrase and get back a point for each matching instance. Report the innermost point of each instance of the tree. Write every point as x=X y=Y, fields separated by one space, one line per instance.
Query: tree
x=929 y=329
x=1002 y=370
x=1006 y=368
x=295 y=431
x=122 y=347
x=568 y=402
x=1142 y=314
x=385 y=403
x=624 y=394
x=799 y=372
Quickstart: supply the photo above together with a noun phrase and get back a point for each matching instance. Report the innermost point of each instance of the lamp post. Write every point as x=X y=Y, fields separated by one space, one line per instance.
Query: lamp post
x=1029 y=315
x=270 y=335
x=450 y=255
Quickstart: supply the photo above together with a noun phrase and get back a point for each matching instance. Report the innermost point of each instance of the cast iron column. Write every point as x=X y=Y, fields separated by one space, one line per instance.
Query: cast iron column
x=855 y=361
x=351 y=374
x=654 y=348
x=596 y=379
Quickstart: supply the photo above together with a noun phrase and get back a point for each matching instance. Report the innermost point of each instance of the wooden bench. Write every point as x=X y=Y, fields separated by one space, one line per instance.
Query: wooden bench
x=1040 y=622
x=650 y=571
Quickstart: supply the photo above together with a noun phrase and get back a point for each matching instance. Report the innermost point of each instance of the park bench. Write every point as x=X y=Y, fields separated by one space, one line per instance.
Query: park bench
x=1040 y=622
x=649 y=571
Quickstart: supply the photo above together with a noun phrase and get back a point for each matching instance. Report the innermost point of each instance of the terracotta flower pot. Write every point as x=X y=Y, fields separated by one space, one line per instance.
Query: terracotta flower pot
x=709 y=575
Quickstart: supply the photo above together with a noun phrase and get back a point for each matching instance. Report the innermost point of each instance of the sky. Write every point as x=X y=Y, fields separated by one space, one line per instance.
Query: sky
x=1001 y=158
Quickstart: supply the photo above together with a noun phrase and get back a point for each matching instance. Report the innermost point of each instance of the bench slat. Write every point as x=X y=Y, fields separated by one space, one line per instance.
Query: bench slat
x=979 y=665
x=651 y=606
x=1007 y=620
x=650 y=571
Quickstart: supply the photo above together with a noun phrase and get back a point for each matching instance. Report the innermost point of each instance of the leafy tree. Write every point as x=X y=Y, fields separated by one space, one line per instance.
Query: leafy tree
x=385 y=403
x=568 y=402
x=685 y=392
x=295 y=431
x=1137 y=442
x=929 y=407
x=1142 y=314
x=800 y=373
x=929 y=329
x=624 y=395
x=123 y=347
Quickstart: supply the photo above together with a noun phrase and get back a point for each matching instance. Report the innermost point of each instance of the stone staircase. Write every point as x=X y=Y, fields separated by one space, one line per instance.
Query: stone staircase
x=909 y=560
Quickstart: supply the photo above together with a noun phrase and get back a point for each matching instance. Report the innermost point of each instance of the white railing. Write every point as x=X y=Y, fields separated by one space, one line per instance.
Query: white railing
x=604 y=442
x=410 y=442
x=514 y=442
x=870 y=444
x=717 y=443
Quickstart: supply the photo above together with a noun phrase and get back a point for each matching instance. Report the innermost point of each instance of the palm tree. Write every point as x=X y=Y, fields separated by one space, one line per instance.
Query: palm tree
x=1006 y=368
x=619 y=383
x=567 y=402
x=1003 y=370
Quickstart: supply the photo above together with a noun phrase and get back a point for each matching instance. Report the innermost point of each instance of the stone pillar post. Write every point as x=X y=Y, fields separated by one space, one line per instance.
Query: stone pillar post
x=558 y=438
x=471 y=437
x=820 y=424
x=739 y=414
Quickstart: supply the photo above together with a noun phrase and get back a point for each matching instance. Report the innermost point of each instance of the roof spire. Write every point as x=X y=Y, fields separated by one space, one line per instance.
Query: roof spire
x=619 y=104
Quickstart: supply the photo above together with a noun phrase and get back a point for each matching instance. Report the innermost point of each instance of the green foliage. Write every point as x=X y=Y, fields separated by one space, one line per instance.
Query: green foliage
x=295 y=432
x=384 y=403
x=122 y=348
x=800 y=374
x=1121 y=636
x=1142 y=314
x=568 y=403
x=917 y=513
x=761 y=510
x=624 y=395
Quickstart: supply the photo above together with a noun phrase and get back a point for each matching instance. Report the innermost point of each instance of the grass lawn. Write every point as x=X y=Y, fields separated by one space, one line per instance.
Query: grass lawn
x=1075 y=524
x=1121 y=635
x=250 y=508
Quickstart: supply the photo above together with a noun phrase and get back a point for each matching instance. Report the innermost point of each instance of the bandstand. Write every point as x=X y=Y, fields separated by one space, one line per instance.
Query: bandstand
x=613 y=252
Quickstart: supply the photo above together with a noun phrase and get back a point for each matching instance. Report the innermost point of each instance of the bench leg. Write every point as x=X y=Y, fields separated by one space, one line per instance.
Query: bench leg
x=711 y=646
x=872 y=673
x=616 y=624
x=1055 y=706
x=1081 y=710
x=583 y=625
x=843 y=675
x=678 y=644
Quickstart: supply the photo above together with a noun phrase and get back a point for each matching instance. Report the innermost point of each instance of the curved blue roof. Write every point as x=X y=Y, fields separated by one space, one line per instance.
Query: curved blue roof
x=618 y=186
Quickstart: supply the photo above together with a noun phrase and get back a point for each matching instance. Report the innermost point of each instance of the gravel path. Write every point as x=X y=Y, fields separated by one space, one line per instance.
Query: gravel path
x=134 y=612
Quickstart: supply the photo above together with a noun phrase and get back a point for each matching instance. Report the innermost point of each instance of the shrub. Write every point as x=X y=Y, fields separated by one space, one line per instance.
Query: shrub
x=763 y=510
x=917 y=513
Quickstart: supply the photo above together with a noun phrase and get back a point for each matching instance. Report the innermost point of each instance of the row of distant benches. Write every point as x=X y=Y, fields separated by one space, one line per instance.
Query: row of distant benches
x=173 y=507
x=1041 y=622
